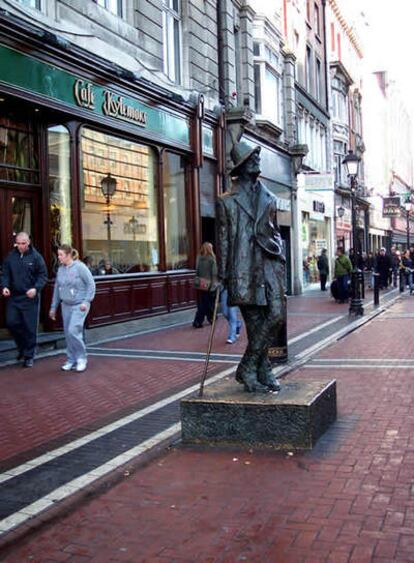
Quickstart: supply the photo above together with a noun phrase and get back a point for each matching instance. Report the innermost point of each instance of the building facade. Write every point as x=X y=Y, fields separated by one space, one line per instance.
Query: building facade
x=110 y=142
x=305 y=31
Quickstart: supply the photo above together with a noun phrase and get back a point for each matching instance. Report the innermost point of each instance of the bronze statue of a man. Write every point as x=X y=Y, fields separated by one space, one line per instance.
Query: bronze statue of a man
x=251 y=265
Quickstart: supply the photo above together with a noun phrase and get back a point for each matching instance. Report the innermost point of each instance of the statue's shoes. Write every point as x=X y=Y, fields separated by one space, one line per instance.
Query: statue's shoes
x=252 y=386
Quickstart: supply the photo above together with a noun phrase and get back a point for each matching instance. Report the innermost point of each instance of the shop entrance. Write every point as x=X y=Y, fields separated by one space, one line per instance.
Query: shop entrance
x=19 y=207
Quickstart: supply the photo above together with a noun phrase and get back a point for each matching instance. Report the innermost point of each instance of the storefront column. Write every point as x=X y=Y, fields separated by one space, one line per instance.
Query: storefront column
x=296 y=239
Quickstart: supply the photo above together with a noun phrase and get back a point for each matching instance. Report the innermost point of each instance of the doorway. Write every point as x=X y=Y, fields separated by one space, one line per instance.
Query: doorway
x=19 y=209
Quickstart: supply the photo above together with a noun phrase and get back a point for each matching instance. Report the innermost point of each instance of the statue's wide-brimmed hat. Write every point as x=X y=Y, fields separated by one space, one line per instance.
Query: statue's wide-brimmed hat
x=240 y=153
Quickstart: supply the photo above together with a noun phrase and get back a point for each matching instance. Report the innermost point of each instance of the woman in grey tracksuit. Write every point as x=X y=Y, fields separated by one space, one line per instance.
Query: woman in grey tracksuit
x=74 y=289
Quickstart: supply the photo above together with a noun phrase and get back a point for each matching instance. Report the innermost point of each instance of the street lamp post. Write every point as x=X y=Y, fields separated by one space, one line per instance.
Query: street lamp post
x=351 y=162
x=108 y=187
x=133 y=223
x=407 y=206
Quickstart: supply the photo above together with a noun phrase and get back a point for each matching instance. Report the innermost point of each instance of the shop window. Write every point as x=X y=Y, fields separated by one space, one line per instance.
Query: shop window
x=208 y=177
x=171 y=25
x=175 y=212
x=18 y=151
x=119 y=224
x=60 y=205
x=114 y=6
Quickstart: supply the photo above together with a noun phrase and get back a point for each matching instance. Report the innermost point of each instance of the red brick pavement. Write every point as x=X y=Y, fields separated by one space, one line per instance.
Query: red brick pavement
x=44 y=404
x=349 y=500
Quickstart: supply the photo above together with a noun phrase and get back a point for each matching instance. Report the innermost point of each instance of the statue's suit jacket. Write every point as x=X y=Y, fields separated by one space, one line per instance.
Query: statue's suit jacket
x=251 y=261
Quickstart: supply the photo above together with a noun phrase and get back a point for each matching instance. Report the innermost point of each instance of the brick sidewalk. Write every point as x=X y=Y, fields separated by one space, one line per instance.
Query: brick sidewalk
x=350 y=499
x=43 y=407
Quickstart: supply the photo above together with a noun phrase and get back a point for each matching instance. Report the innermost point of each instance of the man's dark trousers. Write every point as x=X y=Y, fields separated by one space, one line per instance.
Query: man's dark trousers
x=22 y=316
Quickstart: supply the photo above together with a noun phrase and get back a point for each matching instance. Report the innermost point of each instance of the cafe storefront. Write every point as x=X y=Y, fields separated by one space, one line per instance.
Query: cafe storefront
x=89 y=158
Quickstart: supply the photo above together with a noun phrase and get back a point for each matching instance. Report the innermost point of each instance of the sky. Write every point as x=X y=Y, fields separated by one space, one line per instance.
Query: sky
x=387 y=34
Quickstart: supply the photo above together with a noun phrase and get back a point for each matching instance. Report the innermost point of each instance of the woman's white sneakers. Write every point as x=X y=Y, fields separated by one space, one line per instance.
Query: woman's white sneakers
x=79 y=366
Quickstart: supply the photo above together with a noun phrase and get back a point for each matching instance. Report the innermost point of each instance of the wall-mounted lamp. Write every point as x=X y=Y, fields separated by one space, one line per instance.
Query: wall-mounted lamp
x=340 y=212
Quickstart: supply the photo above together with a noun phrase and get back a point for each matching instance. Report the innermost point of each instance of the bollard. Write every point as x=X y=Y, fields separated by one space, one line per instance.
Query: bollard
x=362 y=283
x=402 y=280
x=376 y=289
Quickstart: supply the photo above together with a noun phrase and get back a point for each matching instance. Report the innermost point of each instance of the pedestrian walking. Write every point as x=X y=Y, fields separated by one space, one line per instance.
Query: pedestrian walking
x=343 y=268
x=323 y=267
x=24 y=276
x=383 y=267
x=230 y=313
x=205 y=283
x=74 y=289
x=408 y=269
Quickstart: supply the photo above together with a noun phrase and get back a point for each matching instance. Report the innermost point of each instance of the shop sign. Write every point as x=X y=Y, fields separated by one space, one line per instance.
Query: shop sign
x=208 y=140
x=318 y=182
x=113 y=105
x=320 y=244
x=318 y=206
x=391 y=206
x=52 y=83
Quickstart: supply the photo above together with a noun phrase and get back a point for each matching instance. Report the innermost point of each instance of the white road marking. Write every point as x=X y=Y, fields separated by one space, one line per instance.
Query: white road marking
x=316 y=329
x=154 y=357
x=348 y=366
x=70 y=446
x=80 y=483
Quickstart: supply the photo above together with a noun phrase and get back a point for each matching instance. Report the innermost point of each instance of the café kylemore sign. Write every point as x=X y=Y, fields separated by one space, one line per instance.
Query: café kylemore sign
x=113 y=105
x=26 y=75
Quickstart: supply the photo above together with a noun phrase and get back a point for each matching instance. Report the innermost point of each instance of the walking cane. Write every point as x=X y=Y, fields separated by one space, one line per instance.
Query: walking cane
x=210 y=341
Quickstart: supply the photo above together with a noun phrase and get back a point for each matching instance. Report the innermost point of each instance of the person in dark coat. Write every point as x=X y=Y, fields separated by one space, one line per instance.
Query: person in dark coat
x=24 y=276
x=383 y=267
x=412 y=253
x=408 y=266
x=251 y=265
x=323 y=267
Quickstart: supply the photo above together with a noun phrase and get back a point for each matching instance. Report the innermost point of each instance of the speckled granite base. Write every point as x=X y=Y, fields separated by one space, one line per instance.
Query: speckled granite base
x=294 y=418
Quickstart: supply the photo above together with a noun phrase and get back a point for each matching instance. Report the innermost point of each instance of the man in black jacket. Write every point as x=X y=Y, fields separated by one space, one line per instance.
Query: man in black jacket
x=251 y=265
x=383 y=267
x=24 y=276
x=323 y=267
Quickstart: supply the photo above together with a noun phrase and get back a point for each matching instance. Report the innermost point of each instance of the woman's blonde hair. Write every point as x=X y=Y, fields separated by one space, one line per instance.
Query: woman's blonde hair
x=67 y=249
x=207 y=249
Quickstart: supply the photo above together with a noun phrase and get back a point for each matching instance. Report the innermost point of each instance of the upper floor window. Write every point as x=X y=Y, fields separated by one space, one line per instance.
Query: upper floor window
x=318 y=80
x=339 y=101
x=114 y=6
x=267 y=83
x=317 y=20
x=30 y=3
x=171 y=24
x=308 y=10
x=309 y=69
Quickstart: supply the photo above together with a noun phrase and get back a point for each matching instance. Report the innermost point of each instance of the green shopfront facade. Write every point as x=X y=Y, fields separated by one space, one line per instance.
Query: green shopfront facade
x=91 y=157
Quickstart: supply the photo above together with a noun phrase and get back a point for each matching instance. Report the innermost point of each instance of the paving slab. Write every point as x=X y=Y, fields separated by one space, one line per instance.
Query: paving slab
x=349 y=499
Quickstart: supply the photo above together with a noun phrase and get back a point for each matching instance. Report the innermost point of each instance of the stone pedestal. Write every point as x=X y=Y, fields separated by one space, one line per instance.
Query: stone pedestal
x=226 y=415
